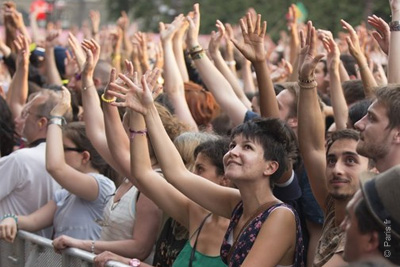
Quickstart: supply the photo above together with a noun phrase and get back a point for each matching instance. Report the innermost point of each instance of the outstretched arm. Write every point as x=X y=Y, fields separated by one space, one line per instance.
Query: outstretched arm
x=253 y=50
x=311 y=128
x=147 y=220
x=355 y=50
x=219 y=62
x=178 y=44
x=213 y=79
x=215 y=198
x=173 y=83
x=33 y=222
x=340 y=109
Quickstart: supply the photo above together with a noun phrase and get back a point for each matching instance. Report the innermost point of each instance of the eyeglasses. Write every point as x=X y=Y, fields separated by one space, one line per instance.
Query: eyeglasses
x=76 y=149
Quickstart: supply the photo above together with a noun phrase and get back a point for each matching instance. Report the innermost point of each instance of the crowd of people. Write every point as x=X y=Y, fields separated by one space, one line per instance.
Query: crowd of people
x=172 y=151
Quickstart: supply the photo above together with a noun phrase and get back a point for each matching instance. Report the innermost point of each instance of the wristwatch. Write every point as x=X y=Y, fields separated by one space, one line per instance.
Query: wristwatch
x=134 y=262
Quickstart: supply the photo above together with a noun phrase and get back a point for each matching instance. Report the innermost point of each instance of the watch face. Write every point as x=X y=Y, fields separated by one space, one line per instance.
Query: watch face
x=134 y=262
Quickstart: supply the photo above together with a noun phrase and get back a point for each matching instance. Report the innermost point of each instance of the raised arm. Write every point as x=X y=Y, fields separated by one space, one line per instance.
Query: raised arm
x=93 y=114
x=355 y=50
x=311 y=128
x=178 y=46
x=213 y=79
x=215 y=198
x=173 y=82
x=253 y=50
x=95 y=23
x=78 y=183
x=18 y=90
x=52 y=74
x=394 y=53
x=340 y=109
x=222 y=66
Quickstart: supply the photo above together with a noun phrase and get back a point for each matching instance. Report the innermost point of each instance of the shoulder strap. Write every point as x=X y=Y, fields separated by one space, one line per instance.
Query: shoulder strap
x=262 y=208
x=197 y=237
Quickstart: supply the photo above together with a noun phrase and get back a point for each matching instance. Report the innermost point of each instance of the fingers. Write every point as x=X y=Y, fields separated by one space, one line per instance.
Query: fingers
x=302 y=39
x=250 y=27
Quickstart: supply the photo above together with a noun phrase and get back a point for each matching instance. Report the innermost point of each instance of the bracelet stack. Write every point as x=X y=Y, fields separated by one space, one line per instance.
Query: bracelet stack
x=58 y=120
x=134 y=133
x=307 y=84
x=197 y=52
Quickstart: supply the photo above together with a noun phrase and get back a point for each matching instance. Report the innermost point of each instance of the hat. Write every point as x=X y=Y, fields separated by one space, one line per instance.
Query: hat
x=382 y=195
x=38 y=54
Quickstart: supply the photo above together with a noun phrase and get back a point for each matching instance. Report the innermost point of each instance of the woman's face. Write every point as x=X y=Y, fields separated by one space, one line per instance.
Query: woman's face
x=206 y=169
x=245 y=160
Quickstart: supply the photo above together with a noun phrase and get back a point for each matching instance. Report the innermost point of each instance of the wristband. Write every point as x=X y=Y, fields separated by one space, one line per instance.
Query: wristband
x=134 y=262
x=394 y=26
x=103 y=97
x=231 y=63
x=10 y=215
x=134 y=133
x=58 y=120
x=307 y=81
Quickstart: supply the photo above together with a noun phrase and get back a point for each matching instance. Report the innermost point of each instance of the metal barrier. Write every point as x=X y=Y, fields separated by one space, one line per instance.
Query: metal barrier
x=30 y=250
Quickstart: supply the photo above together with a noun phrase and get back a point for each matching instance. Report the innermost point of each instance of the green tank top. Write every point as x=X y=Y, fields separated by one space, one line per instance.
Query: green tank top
x=200 y=260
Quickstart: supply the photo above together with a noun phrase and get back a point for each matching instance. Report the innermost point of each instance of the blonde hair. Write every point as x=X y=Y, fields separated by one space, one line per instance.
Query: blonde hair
x=187 y=142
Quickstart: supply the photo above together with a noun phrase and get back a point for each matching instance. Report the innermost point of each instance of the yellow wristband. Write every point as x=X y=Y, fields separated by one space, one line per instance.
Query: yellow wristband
x=103 y=97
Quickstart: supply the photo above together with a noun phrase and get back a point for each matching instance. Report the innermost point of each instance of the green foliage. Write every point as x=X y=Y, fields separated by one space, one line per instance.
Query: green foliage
x=325 y=14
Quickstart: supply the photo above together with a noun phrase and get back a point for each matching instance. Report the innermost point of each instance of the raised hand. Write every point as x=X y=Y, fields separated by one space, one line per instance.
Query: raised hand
x=333 y=56
x=167 y=31
x=63 y=105
x=52 y=38
x=22 y=46
x=253 y=36
x=291 y=19
x=76 y=50
x=381 y=33
x=92 y=50
x=123 y=21
x=308 y=59
x=194 y=27
x=352 y=40
x=95 y=19
x=216 y=37
x=137 y=97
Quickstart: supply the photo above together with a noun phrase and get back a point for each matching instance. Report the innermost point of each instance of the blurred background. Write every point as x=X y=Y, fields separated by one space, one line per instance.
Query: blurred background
x=146 y=14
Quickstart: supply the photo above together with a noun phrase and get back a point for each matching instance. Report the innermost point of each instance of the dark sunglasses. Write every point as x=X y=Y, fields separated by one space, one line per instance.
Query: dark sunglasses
x=79 y=150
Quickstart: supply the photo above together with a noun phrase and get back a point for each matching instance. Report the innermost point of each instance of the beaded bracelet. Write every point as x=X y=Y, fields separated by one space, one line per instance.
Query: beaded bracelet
x=10 y=215
x=134 y=133
x=103 y=97
x=308 y=85
x=92 y=246
x=195 y=49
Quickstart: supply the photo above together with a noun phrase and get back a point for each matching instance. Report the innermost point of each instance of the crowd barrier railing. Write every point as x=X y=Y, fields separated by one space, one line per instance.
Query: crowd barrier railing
x=30 y=250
